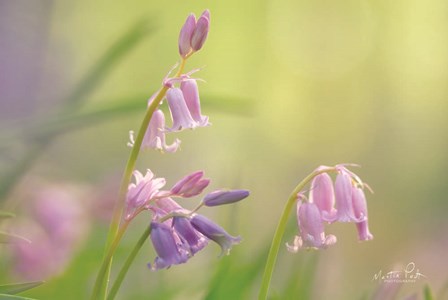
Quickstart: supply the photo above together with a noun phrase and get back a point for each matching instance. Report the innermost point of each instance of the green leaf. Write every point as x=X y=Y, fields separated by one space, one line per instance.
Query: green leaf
x=427 y=294
x=7 y=238
x=6 y=214
x=15 y=288
x=13 y=297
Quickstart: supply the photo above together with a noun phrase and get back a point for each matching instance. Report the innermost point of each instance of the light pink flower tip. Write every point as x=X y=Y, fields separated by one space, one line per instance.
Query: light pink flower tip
x=322 y=194
x=190 y=91
x=186 y=34
x=200 y=32
x=206 y=14
x=311 y=229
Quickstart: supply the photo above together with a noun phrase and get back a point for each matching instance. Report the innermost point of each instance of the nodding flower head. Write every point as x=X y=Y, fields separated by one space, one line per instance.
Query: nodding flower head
x=322 y=194
x=193 y=238
x=215 y=232
x=155 y=135
x=360 y=210
x=180 y=114
x=168 y=249
x=311 y=229
x=193 y=34
x=349 y=199
x=189 y=89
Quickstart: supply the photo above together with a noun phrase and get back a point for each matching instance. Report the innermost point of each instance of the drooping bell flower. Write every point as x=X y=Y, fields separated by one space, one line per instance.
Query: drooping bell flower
x=360 y=211
x=155 y=135
x=344 y=202
x=215 y=232
x=190 y=91
x=322 y=194
x=180 y=113
x=195 y=240
x=311 y=229
x=168 y=250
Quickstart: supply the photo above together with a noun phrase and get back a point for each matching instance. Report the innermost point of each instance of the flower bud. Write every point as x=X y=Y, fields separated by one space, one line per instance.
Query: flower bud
x=186 y=34
x=221 y=197
x=191 y=185
x=201 y=31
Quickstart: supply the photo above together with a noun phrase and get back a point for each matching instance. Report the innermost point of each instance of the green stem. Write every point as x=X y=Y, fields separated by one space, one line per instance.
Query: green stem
x=100 y=288
x=276 y=241
x=105 y=266
x=127 y=264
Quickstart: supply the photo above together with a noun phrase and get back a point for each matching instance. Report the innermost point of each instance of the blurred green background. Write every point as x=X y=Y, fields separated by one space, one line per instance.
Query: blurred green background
x=290 y=85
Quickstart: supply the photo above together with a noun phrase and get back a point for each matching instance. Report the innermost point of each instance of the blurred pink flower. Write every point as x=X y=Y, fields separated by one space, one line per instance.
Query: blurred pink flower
x=57 y=225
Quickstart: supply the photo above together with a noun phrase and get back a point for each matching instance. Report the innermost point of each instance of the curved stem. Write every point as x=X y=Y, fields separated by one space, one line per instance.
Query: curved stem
x=105 y=266
x=127 y=264
x=277 y=239
x=102 y=279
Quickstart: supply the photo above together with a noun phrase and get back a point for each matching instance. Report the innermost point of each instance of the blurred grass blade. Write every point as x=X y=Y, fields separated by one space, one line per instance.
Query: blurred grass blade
x=300 y=286
x=427 y=294
x=126 y=105
x=6 y=214
x=15 y=288
x=13 y=297
x=109 y=59
x=8 y=238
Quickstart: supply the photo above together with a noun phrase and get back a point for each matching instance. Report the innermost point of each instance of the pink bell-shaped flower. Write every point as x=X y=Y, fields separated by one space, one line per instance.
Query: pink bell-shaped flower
x=311 y=229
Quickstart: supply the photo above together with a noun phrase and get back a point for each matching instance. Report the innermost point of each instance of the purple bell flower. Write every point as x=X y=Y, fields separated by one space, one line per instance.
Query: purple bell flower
x=216 y=233
x=168 y=251
x=195 y=240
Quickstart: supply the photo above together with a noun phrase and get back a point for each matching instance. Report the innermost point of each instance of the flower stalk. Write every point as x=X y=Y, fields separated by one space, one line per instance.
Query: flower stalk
x=115 y=231
x=279 y=232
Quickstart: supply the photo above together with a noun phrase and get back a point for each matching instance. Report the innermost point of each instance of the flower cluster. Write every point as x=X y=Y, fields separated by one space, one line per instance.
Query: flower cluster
x=183 y=99
x=177 y=233
x=345 y=202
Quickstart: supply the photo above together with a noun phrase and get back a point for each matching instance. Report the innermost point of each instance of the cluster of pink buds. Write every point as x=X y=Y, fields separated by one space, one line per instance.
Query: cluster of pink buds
x=345 y=202
x=177 y=233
